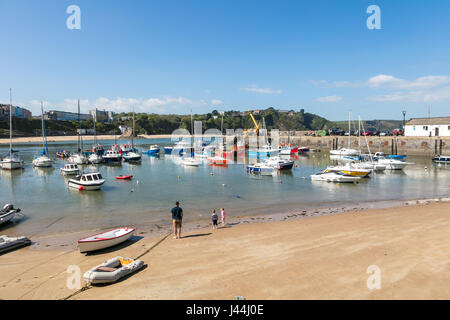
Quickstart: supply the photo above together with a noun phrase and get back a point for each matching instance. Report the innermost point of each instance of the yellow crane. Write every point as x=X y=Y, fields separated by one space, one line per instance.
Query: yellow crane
x=254 y=121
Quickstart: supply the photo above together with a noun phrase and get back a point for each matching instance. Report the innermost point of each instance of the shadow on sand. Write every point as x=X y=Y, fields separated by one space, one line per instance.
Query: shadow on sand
x=196 y=235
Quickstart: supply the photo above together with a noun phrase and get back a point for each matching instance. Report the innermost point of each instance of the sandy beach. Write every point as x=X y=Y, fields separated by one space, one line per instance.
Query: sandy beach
x=324 y=257
x=74 y=138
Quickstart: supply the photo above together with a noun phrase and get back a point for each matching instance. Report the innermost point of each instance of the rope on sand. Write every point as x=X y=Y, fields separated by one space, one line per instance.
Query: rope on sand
x=87 y=287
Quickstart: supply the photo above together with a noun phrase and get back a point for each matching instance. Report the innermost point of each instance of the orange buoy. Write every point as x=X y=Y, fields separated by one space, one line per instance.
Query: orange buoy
x=81 y=188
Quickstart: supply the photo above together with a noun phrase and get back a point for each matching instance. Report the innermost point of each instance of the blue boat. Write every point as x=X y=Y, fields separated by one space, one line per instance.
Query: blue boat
x=168 y=150
x=154 y=149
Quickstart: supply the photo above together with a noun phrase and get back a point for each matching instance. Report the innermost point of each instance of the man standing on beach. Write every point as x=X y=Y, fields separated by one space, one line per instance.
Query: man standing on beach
x=177 y=217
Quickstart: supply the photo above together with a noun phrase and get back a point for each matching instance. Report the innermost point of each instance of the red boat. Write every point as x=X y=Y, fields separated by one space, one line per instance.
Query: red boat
x=124 y=177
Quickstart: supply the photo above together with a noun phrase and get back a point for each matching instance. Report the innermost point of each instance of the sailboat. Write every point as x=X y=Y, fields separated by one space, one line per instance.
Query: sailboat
x=97 y=150
x=78 y=158
x=345 y=151
x=12 y=160
x=43 y=159
x=133 y=154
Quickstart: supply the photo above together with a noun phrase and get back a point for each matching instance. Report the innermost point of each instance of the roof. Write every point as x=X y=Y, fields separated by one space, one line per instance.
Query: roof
x=428 y=121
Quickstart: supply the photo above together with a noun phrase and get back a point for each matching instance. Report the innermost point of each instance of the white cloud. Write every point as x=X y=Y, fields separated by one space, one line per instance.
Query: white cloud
x=434 y=95
x=391 y=82
x=165 y=104
x=216 y=102
x=329 y=99
x=255 y=88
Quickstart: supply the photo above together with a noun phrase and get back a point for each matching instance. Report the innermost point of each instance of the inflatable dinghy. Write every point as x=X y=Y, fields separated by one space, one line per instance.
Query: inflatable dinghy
x=112 y=270
x=7 y=243
x=7 y=213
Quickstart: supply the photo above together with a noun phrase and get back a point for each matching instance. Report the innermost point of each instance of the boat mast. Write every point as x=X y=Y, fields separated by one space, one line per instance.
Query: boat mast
x=132 y=134
x=79 y=127
x=10 y=122
x=44 y=144
x=349 y=114
x=95 y=130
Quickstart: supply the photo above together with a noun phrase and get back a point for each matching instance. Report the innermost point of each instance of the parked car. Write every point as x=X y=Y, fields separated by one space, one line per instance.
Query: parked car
x=397 y=132
x=350 y=133
x=337 y=132
x=385 y=133
x=370 y=132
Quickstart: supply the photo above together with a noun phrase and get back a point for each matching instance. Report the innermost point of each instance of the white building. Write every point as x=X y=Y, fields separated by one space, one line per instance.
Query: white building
x=428 y=127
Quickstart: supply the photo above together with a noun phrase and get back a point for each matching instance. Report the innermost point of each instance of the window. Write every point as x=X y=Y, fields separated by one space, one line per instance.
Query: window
x=448 y=128
x=89 y=178
x=425 y=128
x=100 y=176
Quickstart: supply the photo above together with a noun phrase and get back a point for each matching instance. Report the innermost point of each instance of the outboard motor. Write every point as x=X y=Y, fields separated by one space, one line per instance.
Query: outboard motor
x=8 y=207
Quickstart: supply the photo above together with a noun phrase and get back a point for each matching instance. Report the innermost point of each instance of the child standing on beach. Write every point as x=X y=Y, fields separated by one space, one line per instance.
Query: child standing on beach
x=223 y=213
x=214 y=218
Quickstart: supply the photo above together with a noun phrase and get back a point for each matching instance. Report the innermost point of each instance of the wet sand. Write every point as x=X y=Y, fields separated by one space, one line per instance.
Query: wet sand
x=292 y=256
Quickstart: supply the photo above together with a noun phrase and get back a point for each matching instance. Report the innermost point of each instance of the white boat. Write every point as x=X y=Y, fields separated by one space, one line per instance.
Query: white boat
x=43 y=160
x=369 y=165
x=125 y=148
x=11 y=243
x=349 y=169
x=87 y=181
x=280 y=164
x=262 y=168
x=393 y=164
x=112 y=270
x=441 y=159
x=112 y=156
x=7 y=213
x=70 y=169
x=95 y=158
x=191 y=162
x=105 y=239
x=334 y=177
x=344 y=152
x=285 y=151
x=12 y=160
x=77 y=159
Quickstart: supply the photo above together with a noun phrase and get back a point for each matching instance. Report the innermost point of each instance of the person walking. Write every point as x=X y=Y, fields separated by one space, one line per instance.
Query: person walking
x=177 y=218
x=223 y=213
x=214 y=218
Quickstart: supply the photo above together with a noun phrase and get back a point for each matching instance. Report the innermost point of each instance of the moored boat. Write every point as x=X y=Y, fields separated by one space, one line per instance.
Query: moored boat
x=105 y=239
x=7 y=213
x=87 y=181
x=70 y=169
x=441 y=159
x=334 y=177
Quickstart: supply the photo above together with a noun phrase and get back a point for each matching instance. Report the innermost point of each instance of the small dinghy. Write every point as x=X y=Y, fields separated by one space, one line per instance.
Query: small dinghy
x=7 y=213
x=105 y=240
x=124 y=177
x=7 y=243
x=112 y=270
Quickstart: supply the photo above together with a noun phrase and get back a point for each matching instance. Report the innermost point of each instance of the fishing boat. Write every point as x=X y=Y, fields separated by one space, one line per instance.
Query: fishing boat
x=334 y=177
x=262 y=169
x=69 y=169
x=168 y=150
x=12 y=159
x=266 y=151
x=95 y=158
x=87 y=181
x=112 y=156
x=43 y=159
x=105 y=239
x=112 y=270
x=7 y=213
x=441 y=159
x=132 y=154
x=348 y=169
x=11 y=243
x=280 y=164
x=154 y=149
x=125 y=148
x=78 y=159
x=190 y=162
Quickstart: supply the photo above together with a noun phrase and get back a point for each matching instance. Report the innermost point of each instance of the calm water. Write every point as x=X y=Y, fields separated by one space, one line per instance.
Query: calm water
x=45 y=199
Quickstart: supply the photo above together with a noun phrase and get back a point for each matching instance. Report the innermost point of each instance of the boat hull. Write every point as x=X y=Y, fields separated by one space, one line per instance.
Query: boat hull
x=87 y=246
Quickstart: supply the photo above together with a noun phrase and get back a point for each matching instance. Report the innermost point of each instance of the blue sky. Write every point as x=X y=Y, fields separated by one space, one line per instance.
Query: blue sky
x=173 y=56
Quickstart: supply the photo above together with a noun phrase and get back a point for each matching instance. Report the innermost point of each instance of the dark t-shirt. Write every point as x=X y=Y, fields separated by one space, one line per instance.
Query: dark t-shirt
x=176 y=213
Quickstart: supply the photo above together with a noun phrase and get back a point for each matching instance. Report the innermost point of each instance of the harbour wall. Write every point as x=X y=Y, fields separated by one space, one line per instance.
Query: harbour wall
x=428 y=146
